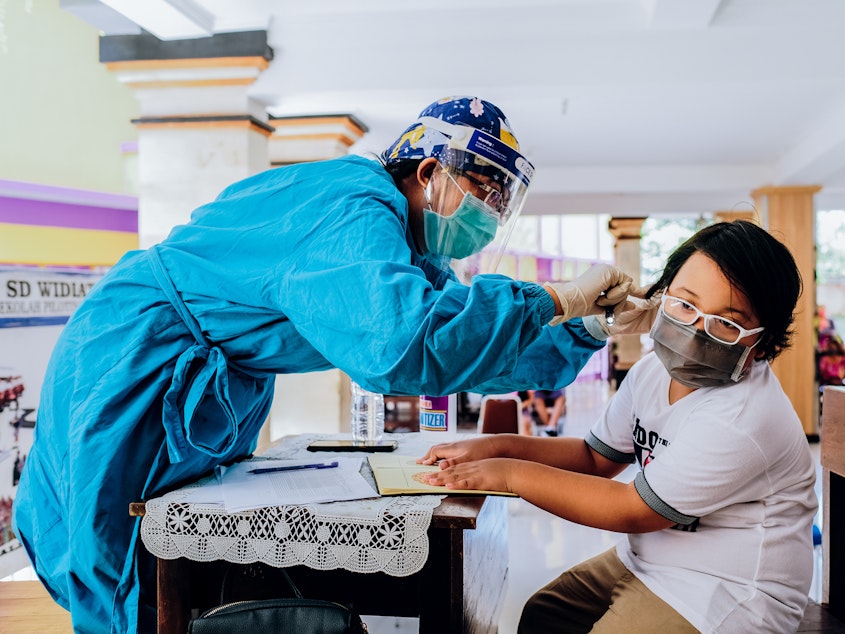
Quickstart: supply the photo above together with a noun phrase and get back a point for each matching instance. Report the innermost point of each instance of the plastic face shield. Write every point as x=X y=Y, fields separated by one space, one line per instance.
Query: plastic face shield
x=496 y=173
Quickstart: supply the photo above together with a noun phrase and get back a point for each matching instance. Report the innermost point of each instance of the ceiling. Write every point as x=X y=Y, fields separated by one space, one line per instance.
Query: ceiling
x=627 y=107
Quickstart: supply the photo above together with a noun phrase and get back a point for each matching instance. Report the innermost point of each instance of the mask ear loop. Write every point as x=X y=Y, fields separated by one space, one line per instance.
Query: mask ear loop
x=657 y=318
x=739 y=369
x=427 y=188
x=430 y=185
x=427 y=195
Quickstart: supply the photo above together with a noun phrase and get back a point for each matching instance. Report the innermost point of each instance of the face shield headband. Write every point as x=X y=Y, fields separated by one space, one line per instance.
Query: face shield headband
x=473 y=151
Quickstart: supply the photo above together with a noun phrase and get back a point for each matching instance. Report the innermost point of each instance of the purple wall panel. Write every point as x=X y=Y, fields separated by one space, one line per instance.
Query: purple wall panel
x=46 y=213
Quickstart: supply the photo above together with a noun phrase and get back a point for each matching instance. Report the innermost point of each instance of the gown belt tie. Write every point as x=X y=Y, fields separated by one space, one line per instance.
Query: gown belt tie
x=197 y=411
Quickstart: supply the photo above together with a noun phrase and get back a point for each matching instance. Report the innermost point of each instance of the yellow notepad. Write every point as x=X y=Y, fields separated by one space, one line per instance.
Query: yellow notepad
x=401 y=475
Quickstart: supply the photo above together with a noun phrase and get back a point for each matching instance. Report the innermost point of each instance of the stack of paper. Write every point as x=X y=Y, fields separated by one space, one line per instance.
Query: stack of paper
x=238 y=490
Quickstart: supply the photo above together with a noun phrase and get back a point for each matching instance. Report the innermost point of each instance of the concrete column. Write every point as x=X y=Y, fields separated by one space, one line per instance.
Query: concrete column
x=199 y=130
x=627 y=232
x=313 y=138
x=788 y=213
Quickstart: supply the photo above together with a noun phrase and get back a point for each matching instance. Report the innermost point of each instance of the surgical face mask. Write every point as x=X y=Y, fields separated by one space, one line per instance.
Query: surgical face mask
x=693 y=358
x=467 y=231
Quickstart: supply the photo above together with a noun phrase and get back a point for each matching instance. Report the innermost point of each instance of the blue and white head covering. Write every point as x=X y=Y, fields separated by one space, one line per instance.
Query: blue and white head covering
x=420 y=141
x=468 y=135
x=472 y=140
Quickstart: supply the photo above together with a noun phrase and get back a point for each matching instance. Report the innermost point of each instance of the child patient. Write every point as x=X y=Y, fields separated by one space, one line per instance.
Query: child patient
x=719 y=516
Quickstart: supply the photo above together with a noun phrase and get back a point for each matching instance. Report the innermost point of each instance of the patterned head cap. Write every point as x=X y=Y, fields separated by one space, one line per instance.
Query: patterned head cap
x=419 y=141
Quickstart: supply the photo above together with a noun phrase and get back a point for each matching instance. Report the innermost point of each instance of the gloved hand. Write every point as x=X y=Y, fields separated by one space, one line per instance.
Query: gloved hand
x=590 y=293
x=635 y=318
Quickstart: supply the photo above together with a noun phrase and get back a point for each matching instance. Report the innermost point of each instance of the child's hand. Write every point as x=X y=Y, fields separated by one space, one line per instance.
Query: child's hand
x=453 y=453
x=493 y=474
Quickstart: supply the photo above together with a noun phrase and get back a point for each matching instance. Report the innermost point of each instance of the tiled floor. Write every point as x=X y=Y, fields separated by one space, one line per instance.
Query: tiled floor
x=543 y=545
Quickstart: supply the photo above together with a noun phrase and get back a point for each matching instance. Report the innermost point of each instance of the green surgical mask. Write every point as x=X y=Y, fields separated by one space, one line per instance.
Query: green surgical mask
x=467 y=231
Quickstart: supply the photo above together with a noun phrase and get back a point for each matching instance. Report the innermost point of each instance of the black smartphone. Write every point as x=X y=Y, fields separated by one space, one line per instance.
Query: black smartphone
x=351 y=445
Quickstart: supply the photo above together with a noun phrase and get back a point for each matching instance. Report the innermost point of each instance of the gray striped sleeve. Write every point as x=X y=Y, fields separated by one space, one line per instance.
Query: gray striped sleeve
x=607 y=451
x=658 y=505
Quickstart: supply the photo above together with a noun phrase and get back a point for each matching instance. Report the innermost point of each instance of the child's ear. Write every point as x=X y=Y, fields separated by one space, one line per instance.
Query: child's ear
x=761 y=348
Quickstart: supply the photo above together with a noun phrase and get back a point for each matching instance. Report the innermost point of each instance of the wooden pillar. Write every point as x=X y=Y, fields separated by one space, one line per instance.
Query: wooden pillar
x=788 y=213
x=730 y=216
x=627 y=232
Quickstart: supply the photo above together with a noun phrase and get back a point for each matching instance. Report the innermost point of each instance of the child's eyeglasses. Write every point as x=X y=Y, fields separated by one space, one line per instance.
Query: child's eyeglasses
x=720 y=328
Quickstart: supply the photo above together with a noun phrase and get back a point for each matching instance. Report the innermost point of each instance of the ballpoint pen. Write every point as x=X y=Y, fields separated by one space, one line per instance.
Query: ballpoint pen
x=295 y=467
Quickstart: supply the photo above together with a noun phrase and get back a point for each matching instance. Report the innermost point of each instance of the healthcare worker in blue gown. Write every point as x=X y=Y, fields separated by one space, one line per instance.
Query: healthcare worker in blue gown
x=167 y=368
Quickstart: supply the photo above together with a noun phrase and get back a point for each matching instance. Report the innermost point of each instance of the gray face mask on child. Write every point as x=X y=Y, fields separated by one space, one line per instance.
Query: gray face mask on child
x=695 y=359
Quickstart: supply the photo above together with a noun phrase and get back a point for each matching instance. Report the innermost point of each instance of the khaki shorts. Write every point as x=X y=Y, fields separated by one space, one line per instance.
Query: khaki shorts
x=601 y=596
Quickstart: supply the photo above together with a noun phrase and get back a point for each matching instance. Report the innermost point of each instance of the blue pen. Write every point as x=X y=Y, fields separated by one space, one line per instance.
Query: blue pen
x=296 y=467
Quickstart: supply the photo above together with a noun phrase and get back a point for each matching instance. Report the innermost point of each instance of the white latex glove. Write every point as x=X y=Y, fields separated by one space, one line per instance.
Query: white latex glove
x=635 y=318
x=591 y=293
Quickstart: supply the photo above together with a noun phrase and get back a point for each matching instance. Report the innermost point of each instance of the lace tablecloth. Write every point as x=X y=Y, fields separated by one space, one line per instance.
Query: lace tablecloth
x=386 y=534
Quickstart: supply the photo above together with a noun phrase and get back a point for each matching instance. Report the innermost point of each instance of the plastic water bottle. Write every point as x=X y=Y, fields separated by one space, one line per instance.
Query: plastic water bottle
x=367 y=416
x=439 y=417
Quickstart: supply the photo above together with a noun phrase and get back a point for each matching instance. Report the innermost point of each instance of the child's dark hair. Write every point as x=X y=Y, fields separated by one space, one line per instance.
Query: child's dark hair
x=758 y=265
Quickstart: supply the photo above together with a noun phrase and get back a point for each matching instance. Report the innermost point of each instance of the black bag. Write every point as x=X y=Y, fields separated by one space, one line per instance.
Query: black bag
x=295 y=615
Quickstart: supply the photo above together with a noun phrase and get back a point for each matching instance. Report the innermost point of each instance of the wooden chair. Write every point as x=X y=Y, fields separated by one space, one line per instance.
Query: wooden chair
x=500 y=414
x=401 y=413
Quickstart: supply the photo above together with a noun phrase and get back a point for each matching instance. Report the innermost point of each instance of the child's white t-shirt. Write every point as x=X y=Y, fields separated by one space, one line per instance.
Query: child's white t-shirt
x=732 y=466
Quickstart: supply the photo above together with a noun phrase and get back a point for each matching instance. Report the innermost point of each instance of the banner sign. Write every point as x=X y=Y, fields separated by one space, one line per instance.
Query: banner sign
x=38 y=297
x=35 y=303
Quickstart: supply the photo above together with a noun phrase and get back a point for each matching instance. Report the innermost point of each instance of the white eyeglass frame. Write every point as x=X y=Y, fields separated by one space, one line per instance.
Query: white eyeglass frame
x=743 y=332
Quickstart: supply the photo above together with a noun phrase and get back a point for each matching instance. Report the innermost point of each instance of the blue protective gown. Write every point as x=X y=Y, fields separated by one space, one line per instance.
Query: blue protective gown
x=166 y=370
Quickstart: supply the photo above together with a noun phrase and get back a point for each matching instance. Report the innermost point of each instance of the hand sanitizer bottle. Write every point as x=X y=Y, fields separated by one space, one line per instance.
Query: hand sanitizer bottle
x=439 y=417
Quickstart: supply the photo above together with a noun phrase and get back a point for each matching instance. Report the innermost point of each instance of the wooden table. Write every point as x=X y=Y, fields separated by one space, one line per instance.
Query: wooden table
x=460 y=588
